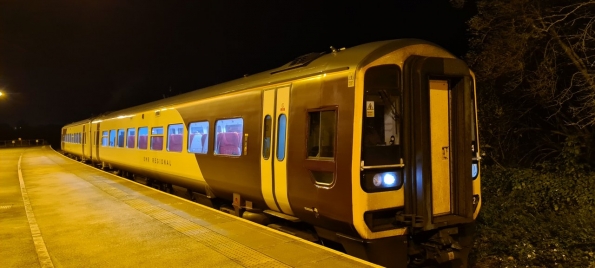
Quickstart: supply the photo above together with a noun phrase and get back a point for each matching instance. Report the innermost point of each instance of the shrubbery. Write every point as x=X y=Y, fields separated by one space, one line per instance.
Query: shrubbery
x=540 y=217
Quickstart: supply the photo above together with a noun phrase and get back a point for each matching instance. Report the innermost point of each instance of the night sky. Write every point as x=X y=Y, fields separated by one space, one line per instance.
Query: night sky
x=63 y=61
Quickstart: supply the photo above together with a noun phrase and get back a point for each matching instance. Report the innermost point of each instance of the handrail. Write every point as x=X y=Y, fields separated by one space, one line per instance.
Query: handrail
x=400 y=165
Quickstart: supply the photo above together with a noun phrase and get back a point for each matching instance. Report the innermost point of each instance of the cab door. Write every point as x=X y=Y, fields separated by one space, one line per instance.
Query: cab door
x=83 y=142
x=273 y=162
x=97 y=141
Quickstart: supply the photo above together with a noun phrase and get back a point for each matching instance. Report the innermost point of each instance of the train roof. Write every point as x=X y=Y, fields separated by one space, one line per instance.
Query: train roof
x=307 y=65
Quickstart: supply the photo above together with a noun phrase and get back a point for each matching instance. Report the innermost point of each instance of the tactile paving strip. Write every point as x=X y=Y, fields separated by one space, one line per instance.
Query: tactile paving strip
x=235 y=251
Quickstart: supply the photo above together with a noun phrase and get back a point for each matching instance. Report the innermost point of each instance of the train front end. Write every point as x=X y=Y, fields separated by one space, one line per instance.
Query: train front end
x=416 y=184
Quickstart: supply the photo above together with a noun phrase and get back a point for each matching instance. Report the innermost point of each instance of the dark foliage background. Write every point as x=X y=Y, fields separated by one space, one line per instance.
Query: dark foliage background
x=535 y=62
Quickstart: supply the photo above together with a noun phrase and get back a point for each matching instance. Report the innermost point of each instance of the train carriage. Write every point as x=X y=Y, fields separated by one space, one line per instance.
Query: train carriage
x=374 y=147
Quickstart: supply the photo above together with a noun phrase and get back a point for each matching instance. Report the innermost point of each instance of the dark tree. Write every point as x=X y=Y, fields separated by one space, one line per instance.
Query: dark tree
x=535 y=64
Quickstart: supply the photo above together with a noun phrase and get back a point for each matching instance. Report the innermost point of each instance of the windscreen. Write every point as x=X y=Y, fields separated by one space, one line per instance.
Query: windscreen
x=381 y=116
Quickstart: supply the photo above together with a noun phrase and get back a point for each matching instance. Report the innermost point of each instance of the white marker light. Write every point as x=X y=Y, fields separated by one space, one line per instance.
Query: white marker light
x=474 y=170
x=376 y=180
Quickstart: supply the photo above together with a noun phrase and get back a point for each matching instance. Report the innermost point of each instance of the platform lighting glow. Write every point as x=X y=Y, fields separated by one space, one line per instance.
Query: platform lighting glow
x=1 y=93
x=389 y=179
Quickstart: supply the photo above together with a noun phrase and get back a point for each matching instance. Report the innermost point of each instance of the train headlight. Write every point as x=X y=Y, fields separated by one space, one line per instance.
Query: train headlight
x=381 y=181
x=474 y=170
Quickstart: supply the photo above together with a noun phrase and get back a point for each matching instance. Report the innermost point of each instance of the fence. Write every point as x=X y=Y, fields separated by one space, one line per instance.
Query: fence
x=22 y=143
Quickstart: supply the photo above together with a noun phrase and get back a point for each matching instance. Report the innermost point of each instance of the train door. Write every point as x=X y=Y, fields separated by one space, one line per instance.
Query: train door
x=97 y=142
x=83 y=142
x=440 y=147
x=63 y=138
x=89 y=141
x=273 y=162
x=438 y=110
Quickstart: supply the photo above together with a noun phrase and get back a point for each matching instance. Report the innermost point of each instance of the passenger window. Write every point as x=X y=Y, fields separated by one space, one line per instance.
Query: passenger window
x=131 y=137
x=143 y=134
x=121 y=137
x=175 y=136
x=281 y=137
x=266 y=139
x=104 y=138
x=322 y=134
x=228 y=136
x=112 y=138
x=198 y=137
x=157 y=138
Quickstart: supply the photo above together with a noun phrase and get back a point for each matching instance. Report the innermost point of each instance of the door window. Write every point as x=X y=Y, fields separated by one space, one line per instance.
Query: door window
x=282 y=133
x=266 y=139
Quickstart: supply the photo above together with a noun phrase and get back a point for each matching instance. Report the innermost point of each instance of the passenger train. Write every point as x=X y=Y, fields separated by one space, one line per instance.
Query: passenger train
x=373 y=148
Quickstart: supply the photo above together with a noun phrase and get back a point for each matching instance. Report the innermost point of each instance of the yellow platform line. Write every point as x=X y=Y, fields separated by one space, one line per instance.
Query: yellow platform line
x=42 y=253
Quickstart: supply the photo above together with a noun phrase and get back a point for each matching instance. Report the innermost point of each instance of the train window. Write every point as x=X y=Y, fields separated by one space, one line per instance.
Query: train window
x=322 y=134
x=157 y=138
x=282 y=134
x=104 y=138
x=175 y=135
x=121 y=134
x=266 y=139
x=112 y=138
x=228 y=136
x=198 y=137
x=130 y=138
x=143 y=134
x=381 y=116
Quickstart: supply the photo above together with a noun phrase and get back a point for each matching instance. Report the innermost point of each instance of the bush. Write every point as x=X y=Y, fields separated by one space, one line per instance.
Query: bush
x=540 y=217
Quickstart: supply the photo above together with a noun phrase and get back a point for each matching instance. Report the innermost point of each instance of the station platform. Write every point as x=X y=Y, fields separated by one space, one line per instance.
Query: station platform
x=56 y=212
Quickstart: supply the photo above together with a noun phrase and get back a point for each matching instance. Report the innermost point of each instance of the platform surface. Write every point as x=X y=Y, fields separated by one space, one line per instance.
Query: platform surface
x=61 y=213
